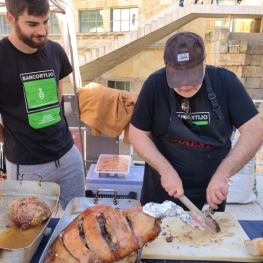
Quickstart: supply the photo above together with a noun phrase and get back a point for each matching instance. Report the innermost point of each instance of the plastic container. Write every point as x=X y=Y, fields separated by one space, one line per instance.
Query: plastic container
x=113 y=166
x=123 y=186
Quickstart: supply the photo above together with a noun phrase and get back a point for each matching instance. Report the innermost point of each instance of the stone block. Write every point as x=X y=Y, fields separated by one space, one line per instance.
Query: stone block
x=233 y=49
x=236 y=59
x=252 y=83
x=259 y=72
x=220 y=59
x=223 y=46
x=242 y=80
x=257 y=94
x=254 y=60
x=243 y=46
x=222 y=33
x=209 y=37
x=237 y=70
x=255 y=48
x=229 y=59
x=210 y=59
x=233 y=42
x=250 y=92
x=209 y=48
x=249 y=71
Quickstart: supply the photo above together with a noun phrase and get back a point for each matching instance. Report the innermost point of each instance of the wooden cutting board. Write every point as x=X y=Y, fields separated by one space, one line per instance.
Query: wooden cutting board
x=193 y=244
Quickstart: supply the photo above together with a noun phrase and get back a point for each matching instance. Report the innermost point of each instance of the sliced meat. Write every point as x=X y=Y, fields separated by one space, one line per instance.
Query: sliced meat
x=198 y=221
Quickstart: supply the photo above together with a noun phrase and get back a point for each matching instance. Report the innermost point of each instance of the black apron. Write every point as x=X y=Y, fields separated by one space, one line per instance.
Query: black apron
x=196 y=163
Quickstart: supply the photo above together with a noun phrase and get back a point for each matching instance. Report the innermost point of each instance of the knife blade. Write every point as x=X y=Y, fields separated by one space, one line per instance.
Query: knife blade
x=192 y=207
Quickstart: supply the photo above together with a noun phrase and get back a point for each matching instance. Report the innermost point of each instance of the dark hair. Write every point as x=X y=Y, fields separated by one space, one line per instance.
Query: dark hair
x=33 y=7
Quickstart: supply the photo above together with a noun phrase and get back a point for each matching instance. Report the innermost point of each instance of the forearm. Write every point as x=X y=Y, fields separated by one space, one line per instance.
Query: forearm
x=146 y=149
x=251 y=136
x=244 y=150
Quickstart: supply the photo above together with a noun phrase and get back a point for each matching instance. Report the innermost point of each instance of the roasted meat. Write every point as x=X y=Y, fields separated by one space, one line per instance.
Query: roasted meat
x=198 y=221
x=30 y=211
x=102 y=234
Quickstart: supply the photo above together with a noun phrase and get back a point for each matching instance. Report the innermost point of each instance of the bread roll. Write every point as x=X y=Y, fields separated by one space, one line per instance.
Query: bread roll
x=104 y=234
x=254 y=246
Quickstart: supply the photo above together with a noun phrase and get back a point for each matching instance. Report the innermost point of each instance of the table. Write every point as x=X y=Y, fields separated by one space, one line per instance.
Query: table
x=253 y=228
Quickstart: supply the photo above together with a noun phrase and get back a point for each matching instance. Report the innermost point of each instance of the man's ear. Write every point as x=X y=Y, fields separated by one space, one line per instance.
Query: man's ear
x=10 y=18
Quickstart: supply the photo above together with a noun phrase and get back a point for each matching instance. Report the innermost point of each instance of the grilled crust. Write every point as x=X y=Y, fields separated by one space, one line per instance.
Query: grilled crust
x=254 y=246
x=102 y=234
x=108 y=234
x=146 y=228
x=74 y=242
x=57 y=253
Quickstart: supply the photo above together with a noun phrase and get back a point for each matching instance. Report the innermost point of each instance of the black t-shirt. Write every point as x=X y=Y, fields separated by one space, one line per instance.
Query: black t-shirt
x=152 y=109
x=36 y=129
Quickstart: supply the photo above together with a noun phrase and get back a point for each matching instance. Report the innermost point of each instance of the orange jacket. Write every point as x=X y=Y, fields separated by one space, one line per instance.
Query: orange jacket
x=106 y=110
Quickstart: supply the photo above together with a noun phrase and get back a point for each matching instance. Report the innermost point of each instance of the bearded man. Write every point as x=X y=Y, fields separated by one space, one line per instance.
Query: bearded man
x=34 y=131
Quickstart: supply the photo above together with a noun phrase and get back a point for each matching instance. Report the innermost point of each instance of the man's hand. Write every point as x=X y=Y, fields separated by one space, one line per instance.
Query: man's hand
x=172 y=183
x=146 y=149
x=217 y=190
x=249 y=141
x=2 y=132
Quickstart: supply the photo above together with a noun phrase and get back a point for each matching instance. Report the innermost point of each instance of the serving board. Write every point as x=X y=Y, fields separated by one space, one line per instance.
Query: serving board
x=193 y=244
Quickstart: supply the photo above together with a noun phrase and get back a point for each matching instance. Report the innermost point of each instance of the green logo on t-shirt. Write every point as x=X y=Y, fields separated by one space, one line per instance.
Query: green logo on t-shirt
x=41 y=97
x=198 y=118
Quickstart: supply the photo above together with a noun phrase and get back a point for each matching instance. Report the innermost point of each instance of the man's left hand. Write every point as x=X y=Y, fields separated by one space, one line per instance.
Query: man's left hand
x=217 y=190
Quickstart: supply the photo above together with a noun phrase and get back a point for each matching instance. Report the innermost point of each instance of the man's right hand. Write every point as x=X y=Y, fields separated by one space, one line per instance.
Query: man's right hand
x=146 y=149
x=2 y=132
x=172 y=183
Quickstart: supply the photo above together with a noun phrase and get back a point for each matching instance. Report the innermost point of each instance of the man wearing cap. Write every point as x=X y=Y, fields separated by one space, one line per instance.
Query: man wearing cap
x=182 y=124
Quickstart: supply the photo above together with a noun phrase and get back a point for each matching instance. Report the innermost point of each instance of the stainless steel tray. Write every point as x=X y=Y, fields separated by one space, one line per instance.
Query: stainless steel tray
x=79 y=204
x=11 y=190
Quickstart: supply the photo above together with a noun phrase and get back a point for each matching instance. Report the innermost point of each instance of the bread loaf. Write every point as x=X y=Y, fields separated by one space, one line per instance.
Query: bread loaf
x=254 y=246
x=104 y=234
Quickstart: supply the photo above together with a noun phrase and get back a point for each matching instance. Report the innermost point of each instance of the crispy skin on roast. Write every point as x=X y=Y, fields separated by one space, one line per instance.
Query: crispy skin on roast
x=102 y=234
x=30 y=211
x=198 y=221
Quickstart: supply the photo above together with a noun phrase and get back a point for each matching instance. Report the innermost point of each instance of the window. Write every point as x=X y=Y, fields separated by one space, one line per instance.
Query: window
x=124 y=19
x=219 y=23
x=119 y=85
x=5 y=27
x=91 y=21
x=53 y=24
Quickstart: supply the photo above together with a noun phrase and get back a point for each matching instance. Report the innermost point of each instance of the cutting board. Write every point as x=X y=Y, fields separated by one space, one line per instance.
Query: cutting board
x=193 y=244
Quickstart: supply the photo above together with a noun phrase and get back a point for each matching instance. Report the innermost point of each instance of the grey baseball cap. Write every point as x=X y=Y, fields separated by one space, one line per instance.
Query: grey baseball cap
x=184 y=54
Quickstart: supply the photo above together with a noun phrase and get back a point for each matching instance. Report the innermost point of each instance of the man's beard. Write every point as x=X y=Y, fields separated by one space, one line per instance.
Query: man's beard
x=29 y=40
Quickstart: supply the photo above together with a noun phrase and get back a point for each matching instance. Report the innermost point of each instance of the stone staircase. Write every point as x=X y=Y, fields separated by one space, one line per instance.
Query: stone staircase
x=99 y=60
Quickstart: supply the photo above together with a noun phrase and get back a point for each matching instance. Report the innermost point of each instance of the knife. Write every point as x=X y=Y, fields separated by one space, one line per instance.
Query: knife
x=192 y=207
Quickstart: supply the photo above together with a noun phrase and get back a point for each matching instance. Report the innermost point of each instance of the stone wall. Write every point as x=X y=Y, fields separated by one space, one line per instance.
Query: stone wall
x=241 y=53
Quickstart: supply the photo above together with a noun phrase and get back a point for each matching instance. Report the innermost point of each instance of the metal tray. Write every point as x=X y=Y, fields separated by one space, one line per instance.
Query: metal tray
x=11 y=190
x=79 y=204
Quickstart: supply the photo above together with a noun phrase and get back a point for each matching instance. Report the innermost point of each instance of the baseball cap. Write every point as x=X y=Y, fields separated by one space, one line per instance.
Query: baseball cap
x=184 y=54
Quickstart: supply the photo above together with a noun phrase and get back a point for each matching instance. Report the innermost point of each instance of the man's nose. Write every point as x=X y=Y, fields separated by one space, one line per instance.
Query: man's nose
x=42 y=30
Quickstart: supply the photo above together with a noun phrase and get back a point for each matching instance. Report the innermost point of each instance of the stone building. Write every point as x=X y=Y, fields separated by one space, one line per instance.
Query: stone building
x=232 y=43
